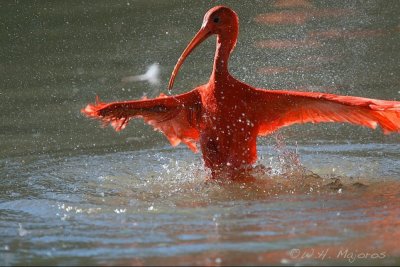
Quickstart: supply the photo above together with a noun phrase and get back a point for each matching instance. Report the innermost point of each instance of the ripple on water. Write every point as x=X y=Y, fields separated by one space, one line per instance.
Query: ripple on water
x=156 y=205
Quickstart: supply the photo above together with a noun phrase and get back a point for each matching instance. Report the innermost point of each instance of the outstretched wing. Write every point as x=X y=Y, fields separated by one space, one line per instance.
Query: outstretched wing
x=175 y=116
x=276 y=109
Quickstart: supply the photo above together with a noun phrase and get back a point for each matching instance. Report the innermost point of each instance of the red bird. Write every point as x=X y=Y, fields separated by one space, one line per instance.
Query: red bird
x=226 y=115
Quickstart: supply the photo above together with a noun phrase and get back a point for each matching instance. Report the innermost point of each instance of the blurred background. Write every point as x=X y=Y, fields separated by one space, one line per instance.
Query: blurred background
x=73 y=193
x=56 y=57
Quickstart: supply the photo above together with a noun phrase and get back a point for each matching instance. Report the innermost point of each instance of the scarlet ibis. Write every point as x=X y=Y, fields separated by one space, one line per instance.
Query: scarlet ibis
x=226 y=115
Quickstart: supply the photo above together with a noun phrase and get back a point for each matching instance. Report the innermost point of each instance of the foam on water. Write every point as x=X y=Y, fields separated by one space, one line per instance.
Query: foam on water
x=157 y=205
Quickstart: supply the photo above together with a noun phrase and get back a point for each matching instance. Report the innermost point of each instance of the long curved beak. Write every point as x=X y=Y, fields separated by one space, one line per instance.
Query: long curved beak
x=200 y=36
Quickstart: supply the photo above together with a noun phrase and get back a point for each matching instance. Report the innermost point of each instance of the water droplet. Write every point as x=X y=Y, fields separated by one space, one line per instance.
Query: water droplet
x=285 y=261
x=118 y=211
x=22 y=231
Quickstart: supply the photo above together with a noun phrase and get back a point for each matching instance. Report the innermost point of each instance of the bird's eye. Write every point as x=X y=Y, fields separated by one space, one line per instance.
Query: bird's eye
x=216 y=20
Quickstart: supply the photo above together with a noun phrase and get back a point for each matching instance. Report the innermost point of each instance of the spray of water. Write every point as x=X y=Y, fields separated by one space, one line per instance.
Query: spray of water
x=152 y=76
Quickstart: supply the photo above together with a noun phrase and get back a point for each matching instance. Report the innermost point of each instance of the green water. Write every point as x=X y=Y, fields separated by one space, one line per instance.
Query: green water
x=75 y=193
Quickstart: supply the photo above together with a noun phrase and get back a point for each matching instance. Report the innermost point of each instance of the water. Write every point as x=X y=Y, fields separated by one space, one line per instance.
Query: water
x=74 y=193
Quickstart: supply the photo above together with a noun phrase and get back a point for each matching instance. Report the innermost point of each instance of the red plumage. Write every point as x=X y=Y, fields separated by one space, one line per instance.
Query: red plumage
x=225 y=115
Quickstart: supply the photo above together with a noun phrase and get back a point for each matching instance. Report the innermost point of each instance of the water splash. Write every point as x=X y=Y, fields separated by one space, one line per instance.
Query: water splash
x=152 y=76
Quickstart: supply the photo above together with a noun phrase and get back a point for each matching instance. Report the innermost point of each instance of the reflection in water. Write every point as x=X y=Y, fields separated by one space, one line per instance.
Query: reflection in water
x=153 y=207
x=292 y=3
x=70 y=196
x=301 y=17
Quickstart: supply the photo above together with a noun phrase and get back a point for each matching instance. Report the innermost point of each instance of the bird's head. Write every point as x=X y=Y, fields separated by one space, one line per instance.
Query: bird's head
x=219 y=20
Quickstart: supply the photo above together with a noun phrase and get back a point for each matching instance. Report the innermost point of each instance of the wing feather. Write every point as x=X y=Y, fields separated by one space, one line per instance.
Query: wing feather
x=283 y=108
x=177 y=117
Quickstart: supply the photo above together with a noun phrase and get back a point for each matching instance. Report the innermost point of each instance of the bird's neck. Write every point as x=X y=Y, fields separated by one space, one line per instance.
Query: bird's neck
x=224 y=48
